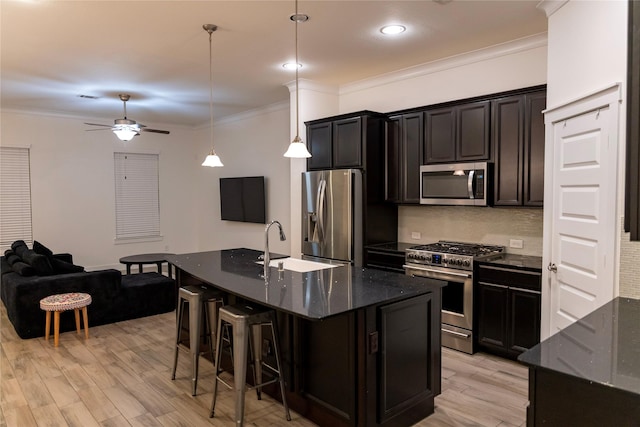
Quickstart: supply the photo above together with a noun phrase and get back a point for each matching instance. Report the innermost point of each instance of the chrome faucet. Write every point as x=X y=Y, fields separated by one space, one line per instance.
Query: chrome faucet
x=266 y=245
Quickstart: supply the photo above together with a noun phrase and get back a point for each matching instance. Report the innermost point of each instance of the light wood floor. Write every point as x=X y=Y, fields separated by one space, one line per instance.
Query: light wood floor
x=121 y=377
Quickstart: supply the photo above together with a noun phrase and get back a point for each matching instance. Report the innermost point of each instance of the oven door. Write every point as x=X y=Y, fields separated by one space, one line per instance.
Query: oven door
x=457 y=304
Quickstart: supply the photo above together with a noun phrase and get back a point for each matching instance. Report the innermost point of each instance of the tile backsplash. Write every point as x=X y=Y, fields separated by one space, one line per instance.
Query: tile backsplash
x=629 y=265
x=473 y=224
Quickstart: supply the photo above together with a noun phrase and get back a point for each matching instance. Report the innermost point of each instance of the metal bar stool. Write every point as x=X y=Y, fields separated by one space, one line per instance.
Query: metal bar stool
x=204 y=304
x=246 y=322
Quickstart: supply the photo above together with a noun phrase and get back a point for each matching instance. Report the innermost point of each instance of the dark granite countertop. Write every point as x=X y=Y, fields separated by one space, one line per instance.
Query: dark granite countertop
x=603 y=347
x=313 y=295
x=400 y=247
x=519 y=262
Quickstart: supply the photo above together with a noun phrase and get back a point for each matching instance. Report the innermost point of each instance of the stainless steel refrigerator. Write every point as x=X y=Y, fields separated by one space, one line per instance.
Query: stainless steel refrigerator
x=332 y=218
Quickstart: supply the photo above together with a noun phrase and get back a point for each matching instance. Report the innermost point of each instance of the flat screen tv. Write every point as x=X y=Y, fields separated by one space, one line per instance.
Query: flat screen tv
x=242 y=199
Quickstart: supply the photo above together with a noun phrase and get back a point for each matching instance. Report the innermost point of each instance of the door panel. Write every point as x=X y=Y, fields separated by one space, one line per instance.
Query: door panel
x=584 y=191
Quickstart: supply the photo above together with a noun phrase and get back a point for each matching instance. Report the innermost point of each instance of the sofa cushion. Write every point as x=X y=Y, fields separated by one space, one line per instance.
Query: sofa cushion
x=61 y=267
x=41 y=249
x=23 y=269
x=40 y=263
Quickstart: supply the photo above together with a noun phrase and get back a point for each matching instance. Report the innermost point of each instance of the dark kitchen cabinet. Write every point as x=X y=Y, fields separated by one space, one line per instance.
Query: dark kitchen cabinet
x=518 y=140
x=458 y=133
x=404 y=154
x=347 y=141
x=508 y=305
x=390 y=350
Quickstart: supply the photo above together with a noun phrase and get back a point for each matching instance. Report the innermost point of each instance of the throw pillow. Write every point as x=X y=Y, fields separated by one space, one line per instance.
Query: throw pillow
x=41 y=249
x=11 y=258
x=61 y=267
x=23 y=269
x=19 y=247
x=40 y=263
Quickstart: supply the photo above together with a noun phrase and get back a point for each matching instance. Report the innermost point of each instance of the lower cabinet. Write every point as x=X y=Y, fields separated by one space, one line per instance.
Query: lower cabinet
x=378 y=366
x=508 y=304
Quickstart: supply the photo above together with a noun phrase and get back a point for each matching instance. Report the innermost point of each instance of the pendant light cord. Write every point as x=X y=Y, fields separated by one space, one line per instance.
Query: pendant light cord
x=211 y=88
x=297 y=66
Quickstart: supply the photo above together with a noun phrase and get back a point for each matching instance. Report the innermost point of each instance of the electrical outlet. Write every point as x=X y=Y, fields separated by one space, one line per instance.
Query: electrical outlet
x=416 y=235
x=516 y=243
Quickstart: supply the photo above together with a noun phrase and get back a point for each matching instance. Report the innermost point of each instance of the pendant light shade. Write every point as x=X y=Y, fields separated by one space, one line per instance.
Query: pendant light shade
x=212 y=159
x=297 y=148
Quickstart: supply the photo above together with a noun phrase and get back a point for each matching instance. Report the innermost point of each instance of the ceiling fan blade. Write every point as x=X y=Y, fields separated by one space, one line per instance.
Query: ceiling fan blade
x=93 y=130
x=97 y=124
x=145 y=129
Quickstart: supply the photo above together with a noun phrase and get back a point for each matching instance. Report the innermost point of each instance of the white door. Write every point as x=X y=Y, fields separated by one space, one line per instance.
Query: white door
x=581 y=256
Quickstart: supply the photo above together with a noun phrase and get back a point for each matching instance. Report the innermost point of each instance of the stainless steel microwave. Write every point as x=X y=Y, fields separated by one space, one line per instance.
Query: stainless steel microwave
x=456 y=184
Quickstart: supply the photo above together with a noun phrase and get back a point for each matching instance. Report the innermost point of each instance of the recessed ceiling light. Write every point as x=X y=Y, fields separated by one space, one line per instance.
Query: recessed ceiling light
x=393 y=29
x=291 y=65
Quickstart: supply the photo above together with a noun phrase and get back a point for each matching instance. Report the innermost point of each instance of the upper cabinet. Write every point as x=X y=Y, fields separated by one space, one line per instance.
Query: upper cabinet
x=518 y=140
x=457 y=133
x=347 y=141
x=404 y=153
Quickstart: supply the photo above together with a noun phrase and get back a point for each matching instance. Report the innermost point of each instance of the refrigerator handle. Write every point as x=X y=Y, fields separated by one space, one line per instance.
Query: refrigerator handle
x=320 y=206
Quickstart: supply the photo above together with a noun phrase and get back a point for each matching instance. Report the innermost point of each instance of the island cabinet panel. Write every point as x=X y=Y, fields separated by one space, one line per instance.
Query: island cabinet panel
x=404 y=156
x=326 y=363
x=458 y=133
x=407 y=374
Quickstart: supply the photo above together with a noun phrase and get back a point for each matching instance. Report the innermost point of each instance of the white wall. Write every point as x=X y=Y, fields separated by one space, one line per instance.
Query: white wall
x=72 y=186
x=514 y=65
x=250 y=144
x=587 y=52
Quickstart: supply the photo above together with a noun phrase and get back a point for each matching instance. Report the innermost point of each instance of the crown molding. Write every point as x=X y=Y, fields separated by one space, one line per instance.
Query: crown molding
x=551 y=6
x=312 y=86
x=496 y=51
x=284 y=105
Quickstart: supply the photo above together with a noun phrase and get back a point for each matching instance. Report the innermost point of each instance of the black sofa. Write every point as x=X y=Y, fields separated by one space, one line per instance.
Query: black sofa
x=115 y=297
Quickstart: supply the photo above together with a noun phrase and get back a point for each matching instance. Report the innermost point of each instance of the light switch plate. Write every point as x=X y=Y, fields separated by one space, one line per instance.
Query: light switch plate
x=516 y=243
x=416 y=235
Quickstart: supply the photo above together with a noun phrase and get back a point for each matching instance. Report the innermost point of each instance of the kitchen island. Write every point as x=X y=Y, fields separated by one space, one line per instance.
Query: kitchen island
x=361 y=347
x=588 y=374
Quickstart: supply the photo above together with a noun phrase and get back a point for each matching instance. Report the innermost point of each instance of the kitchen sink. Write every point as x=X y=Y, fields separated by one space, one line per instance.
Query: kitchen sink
x=299 y=265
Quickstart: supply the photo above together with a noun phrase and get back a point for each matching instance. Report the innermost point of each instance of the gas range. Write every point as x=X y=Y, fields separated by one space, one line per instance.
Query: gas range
x=455 y=255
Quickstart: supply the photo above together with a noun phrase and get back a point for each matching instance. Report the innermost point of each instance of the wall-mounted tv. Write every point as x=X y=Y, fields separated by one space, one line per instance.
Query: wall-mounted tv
x=242 y=199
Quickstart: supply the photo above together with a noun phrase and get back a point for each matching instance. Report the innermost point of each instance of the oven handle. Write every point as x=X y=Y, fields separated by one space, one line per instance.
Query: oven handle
x=458 y=334
x=436 y=273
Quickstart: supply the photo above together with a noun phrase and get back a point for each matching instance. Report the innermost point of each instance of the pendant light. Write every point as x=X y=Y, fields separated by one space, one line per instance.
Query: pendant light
x=297 y=148
x=212 y=159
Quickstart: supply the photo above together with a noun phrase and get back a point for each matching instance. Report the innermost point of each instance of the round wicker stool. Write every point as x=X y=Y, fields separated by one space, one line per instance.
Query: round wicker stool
x=63 y=302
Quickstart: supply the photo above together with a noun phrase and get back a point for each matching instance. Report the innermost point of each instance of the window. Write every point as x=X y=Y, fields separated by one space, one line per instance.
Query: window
x=15 y=197
x=137 y=196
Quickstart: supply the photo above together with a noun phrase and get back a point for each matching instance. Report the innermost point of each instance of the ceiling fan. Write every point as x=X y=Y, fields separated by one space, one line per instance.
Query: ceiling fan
x=125 y=129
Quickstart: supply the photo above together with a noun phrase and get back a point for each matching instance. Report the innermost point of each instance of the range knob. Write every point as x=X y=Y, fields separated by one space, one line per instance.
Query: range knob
x=467 y=263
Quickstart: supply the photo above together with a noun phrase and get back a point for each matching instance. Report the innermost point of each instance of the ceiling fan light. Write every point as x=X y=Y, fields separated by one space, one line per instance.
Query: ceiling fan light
x=125 y=134
x=297 y=149
x=212 y=160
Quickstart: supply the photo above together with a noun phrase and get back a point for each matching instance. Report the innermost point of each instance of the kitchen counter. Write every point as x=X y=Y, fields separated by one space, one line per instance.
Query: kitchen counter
x=588 y=373
x=520 y=262
x=360 y=346
x=400 y=247
x=314 y=295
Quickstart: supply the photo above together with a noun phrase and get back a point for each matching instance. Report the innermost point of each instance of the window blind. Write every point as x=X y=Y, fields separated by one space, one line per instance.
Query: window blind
x=137 y=196
x=15 y=197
